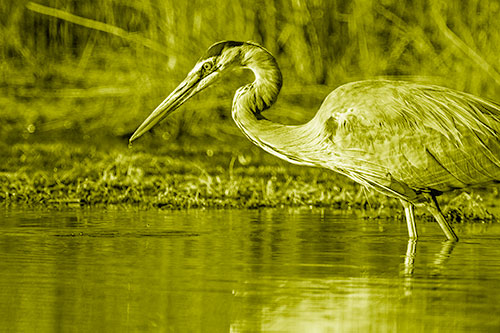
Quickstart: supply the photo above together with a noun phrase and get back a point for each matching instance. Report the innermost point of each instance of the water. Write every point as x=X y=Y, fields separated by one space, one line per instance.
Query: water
x=250 y=270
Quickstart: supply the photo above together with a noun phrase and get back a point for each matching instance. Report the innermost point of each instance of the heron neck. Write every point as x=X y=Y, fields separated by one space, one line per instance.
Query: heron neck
x=284 y=141
x=263 y=92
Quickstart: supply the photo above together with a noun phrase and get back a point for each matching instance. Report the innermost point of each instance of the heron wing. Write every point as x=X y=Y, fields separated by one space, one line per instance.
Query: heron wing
x=407 y=134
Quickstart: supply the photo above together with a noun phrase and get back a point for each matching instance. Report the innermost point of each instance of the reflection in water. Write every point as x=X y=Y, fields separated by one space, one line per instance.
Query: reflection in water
x=252 y=270
x=444 y=254
x=411 y=251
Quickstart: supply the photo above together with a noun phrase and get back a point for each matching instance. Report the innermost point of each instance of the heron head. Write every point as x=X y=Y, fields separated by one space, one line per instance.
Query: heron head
x=217 y=59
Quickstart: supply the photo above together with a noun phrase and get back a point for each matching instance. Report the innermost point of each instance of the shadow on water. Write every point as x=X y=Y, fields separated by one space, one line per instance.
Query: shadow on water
x=242 y=270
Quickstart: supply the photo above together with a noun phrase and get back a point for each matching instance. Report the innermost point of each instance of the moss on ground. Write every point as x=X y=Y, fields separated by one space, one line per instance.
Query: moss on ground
x=188 y=174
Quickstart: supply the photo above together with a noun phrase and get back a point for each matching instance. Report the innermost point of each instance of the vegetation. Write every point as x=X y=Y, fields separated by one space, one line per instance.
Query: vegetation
x=77 y=77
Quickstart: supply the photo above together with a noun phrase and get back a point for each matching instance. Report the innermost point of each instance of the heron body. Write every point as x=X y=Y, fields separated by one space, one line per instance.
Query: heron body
x=407 y=140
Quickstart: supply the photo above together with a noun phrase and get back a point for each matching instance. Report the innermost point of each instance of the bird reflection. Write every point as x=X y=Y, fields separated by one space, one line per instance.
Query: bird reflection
x=409 y=263
x=442 y=257
x=438 y=263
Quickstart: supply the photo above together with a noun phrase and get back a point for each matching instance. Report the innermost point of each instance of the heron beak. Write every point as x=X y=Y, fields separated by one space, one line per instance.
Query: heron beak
x=184 y=91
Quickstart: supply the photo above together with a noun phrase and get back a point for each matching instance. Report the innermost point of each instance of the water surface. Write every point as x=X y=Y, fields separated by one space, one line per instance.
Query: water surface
x=242 y=270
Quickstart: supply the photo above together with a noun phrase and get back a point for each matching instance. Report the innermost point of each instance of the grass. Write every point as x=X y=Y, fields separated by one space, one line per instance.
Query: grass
x=78 y=77
x=190 y=174
x=181 y=176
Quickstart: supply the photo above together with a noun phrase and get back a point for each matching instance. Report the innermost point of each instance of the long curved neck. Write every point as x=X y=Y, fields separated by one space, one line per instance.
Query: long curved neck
x=289 y=142
x=263 y=92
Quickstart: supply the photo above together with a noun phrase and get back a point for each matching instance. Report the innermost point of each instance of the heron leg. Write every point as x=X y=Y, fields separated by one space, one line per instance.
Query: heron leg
x=410 y=219
x=441 y=220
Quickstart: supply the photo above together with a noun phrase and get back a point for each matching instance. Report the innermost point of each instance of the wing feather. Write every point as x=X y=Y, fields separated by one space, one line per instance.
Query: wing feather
x=426 y=137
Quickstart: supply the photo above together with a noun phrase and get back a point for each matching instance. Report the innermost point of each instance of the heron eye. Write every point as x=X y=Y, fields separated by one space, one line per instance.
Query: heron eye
x=207 y=66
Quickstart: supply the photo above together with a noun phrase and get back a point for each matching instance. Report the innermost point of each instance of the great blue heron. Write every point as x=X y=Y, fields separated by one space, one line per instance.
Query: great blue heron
x=407 y=140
